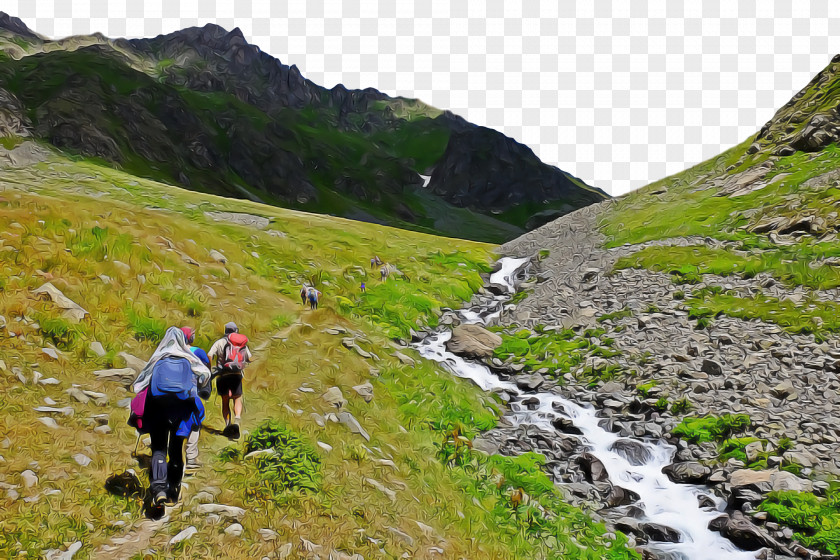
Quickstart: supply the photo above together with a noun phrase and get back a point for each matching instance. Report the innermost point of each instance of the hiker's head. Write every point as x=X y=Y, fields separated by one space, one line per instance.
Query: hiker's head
x=189 y=334
x=231 y=328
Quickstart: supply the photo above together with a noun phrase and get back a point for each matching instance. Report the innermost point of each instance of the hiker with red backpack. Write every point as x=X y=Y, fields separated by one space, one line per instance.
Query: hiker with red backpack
x=232 y=354
x=168 y=408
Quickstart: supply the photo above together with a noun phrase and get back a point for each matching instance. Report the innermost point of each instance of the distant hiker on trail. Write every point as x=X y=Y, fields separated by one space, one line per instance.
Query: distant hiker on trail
x=303 y=291
x=390 y=269
x=193 y=463
x=313 y=295
x=374 y=262
x=232 y=354
x=363 y=288
x=170 y=381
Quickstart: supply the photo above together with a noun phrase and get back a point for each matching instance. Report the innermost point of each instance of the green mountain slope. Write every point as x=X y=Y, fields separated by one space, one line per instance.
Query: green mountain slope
x=203 y=109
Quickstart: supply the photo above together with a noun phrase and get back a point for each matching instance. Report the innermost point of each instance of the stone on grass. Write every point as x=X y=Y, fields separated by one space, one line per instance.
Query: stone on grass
x=334 y=397
x=72 y=310
x=97 y=348
x=223 y=510
x=48 y=422
x=82 y=459
x=365 y=390
x=234 y=530
x=352 y=424
x=28 y=478
x=183 y=535
x=56 y=554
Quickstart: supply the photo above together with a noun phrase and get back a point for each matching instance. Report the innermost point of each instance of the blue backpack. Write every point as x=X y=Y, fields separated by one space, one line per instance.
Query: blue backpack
x=173 y=377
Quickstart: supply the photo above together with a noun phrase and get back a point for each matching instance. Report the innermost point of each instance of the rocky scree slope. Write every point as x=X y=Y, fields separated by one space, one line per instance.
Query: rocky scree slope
x=203 y=109
x=707 y=307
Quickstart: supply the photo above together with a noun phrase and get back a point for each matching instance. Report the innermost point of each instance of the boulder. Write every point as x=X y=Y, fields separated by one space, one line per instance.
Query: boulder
x=621 y=497
x=530 y=382
x=634 y=452
x=711 y=367
x=660 y=533
x=784 y=390
x=744 y=534
x=689 y=472
x=72 y=310
x=592 y=467
x=473 y=341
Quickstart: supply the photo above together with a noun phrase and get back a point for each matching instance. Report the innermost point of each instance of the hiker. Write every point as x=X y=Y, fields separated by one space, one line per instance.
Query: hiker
x=193 y=463
x=374 y=262
x=312 y=295
x=363 y=287
x=171 y=380
x=303 y=291
x=232 y=354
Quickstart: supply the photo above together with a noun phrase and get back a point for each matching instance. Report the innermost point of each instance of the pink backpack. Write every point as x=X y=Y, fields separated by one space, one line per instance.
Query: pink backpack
x=138 y=407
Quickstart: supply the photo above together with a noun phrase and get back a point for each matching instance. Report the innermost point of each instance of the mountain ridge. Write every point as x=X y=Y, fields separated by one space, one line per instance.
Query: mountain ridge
x=203 y=108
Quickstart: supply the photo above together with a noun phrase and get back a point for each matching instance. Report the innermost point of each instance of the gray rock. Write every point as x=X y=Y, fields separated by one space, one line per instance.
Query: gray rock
x=635 y=452
x=82 y=459
x=352 y=424
x=183 y=535
x=365 y=390
x=56 y=554
x=530 y=382
x=689 y=472
x=711 y=367
x=234 y=530
x=132 y=362
x=784 y=390
x=222 y=510
x=28 y=478
x=97 y=348
x=473 y=341
x=333 y=397
x=72 y=310
x=124 y=375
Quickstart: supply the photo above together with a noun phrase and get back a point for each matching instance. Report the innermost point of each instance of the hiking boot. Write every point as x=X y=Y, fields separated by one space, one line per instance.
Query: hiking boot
x=172 y=497
x=232 y=431
x=159 y=500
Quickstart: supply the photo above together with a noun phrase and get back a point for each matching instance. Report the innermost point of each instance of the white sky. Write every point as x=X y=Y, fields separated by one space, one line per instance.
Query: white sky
x=619 y=93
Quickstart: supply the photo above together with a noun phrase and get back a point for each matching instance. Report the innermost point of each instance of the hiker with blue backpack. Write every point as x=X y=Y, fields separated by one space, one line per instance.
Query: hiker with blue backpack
x=168 y=407
x=231 y=354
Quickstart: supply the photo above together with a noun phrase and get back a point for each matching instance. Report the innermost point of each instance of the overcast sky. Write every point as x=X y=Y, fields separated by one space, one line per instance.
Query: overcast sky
x=618 y=93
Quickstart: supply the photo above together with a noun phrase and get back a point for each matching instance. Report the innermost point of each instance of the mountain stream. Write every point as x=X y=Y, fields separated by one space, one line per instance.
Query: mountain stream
x=663 y=502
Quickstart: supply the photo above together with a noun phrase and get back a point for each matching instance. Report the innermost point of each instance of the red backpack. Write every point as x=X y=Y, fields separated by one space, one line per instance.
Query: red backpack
x=233 y=359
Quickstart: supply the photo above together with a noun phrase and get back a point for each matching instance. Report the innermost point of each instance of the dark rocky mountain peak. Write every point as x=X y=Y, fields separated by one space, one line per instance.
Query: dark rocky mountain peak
x=16 y=26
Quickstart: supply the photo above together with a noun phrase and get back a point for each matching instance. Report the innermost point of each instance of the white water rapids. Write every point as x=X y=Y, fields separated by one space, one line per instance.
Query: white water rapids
x=662 y=501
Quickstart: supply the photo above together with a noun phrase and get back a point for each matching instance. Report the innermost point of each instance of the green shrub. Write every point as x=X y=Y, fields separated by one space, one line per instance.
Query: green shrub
x=681 y=406
x=711 y=428
x=816 y=521
x=145 y=326
x=293 y=465
x=60 y=332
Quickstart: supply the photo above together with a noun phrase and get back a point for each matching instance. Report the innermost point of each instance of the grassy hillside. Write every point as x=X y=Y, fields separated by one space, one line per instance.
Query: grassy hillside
x=137 y=256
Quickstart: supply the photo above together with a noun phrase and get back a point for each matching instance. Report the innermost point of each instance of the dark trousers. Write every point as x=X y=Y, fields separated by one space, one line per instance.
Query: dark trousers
x=166 y=416
x=166 y=476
